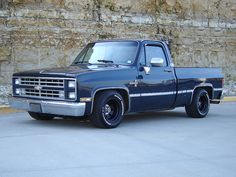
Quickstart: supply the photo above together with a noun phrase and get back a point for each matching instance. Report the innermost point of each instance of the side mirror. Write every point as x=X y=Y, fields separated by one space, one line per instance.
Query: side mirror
x=157 y=62
x=147 y=70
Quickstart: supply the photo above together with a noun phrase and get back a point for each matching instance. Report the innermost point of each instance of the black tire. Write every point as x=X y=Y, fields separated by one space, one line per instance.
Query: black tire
x=200 y=105
x=108 y=110
x=40 y=116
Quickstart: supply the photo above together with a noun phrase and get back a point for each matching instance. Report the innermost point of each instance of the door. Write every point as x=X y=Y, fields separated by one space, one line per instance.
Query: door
x=158 y=88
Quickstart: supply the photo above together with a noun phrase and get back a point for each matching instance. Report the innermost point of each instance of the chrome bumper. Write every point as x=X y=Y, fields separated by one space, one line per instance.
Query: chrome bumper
x=49 y=107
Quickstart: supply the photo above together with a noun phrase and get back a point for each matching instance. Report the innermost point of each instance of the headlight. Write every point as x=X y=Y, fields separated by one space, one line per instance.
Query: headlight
x=72 y=95
x=71 y=84
x=17 y=91
x=17 y=81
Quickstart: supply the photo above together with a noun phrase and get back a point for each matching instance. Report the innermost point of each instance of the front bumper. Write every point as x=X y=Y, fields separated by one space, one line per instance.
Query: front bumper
x=60 y=108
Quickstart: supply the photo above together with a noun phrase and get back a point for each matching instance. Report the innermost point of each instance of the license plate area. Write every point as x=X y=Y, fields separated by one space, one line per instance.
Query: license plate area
x=35 y=107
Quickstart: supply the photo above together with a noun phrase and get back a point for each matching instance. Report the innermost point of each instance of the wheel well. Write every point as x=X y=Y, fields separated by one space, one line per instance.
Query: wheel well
x=208 y=89
x=122 y=92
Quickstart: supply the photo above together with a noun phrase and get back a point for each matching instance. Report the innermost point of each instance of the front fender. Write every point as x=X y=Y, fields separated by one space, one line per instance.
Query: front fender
x=119 y=89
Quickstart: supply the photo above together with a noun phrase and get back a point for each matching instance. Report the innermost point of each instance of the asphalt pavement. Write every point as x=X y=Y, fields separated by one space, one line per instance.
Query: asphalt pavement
x=155 y=144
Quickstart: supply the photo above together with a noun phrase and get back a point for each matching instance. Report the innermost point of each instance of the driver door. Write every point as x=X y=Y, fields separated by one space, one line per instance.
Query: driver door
x=158 y=88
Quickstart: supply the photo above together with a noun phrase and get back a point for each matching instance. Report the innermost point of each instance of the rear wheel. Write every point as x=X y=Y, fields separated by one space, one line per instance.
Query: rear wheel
x=200 y=105
x=40 y=116
x=108 y=110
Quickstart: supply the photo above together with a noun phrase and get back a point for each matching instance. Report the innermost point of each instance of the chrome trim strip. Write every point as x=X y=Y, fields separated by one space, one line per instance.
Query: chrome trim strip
x=50 y=107
x=135 y=95
x=218 y=89
x=185 y=91
x=65 y=78
x=158 y=93
x=167 y=93
x=215 y=101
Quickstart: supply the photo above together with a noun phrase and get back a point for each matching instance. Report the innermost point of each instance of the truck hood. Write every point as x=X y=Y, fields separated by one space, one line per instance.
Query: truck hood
x=70 y=71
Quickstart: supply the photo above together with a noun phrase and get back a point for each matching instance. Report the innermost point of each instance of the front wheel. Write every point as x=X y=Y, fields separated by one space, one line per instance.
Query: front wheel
x=108 y=110
x=200 y=105
x=40 y=116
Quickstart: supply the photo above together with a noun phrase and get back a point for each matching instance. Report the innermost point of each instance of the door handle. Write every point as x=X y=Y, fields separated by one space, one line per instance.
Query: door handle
x=168 y=70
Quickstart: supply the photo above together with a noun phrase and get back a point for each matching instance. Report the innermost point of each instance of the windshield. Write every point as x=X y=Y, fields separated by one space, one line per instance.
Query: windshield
x=108 y=52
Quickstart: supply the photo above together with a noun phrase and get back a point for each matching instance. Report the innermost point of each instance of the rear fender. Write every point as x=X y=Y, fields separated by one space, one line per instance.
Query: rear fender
x=206 y=86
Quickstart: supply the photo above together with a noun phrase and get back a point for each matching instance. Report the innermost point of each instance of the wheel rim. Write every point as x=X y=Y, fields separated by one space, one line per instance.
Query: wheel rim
x=110 y=110
x=203 y=104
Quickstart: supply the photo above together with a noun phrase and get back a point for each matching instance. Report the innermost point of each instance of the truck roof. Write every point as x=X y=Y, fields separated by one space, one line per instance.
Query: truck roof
x=129 y=40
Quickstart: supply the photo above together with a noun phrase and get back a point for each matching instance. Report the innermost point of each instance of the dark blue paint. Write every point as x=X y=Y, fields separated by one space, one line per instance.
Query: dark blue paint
x=91 y=78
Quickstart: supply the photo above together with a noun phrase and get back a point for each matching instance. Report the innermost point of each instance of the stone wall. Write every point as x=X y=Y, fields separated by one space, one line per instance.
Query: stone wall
x=49 y=33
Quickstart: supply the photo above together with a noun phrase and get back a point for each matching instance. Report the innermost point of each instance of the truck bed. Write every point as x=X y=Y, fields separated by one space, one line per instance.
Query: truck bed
x=190 y=77
x=198 y=72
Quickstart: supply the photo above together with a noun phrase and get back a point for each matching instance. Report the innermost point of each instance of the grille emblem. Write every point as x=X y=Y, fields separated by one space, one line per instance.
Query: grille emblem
x=37 y=87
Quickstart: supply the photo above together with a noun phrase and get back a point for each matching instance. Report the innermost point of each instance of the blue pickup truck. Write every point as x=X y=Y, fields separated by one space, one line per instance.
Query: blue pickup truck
x=111 y=78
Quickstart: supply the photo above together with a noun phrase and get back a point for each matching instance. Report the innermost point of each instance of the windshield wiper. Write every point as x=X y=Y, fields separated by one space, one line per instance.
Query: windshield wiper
x=105 y=61
x=79 y=62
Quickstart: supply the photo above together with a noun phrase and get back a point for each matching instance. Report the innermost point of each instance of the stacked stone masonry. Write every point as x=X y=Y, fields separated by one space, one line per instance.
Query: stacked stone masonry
x=50 y=33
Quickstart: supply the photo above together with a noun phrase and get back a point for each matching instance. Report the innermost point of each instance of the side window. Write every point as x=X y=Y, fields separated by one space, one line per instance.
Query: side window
x=155 y=52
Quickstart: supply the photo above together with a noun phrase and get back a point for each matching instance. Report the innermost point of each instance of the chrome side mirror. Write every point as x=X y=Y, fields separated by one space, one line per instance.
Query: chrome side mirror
x=147 y=69
x=157 y=62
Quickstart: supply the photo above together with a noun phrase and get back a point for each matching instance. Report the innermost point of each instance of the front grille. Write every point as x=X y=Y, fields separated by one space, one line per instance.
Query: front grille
x=42 y=82
x=42 y=93
x=42 y=87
